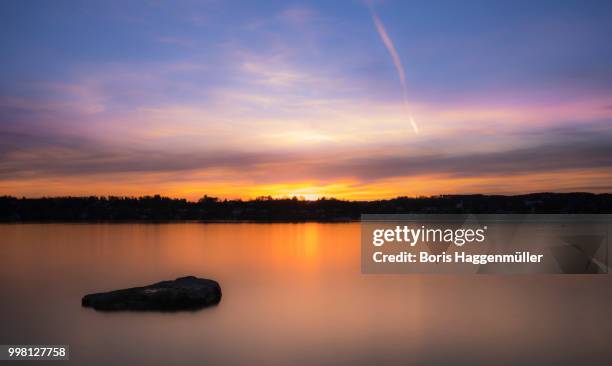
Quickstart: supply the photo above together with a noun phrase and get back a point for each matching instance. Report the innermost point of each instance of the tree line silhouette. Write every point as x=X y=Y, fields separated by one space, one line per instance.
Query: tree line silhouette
x=157 y=208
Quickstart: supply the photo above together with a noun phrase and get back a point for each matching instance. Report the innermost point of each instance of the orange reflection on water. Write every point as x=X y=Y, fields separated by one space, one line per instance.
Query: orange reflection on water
x=292 y=294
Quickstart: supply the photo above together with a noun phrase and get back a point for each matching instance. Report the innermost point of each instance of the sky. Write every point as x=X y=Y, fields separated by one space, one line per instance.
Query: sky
x=346 y=99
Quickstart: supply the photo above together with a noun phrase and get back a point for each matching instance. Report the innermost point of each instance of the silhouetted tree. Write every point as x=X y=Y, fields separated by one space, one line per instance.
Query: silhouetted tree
x=158 y=208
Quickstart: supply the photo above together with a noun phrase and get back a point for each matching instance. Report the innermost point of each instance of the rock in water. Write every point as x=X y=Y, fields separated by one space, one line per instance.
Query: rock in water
x=185 y=293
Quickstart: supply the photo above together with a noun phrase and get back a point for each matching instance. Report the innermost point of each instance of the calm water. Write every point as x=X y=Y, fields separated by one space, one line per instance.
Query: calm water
x=292 y=294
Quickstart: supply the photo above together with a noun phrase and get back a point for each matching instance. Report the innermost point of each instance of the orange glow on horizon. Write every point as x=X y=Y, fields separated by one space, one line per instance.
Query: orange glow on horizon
x=349 y=189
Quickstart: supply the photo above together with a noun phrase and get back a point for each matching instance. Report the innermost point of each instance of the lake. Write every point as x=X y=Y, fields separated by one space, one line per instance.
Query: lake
x=293 y=294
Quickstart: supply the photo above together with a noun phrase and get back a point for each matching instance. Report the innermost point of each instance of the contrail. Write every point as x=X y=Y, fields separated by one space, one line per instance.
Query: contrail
x=384 y=36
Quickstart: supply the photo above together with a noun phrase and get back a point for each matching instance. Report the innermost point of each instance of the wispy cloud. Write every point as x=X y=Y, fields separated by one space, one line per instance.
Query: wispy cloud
x=32 y=155
x=384 y=36
x=397 y=62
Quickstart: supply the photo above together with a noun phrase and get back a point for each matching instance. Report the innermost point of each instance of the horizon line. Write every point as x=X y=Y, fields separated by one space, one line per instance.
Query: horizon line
x=302 y=198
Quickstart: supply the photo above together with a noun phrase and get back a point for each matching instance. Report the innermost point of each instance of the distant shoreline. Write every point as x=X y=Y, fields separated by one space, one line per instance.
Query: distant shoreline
x=157 y=209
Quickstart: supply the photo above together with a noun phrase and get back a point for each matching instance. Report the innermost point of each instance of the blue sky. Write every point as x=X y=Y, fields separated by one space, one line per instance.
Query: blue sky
x=193 y=97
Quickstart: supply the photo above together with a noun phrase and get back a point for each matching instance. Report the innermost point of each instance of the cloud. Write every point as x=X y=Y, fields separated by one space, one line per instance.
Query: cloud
x=559 y=156
x=32 y=155
x=397 y=62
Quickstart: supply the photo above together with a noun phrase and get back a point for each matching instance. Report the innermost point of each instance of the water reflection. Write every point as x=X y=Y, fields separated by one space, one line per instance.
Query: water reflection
x=292 y=294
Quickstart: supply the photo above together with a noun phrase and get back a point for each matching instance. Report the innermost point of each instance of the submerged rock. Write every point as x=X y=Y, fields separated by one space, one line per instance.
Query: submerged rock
x=185 y=293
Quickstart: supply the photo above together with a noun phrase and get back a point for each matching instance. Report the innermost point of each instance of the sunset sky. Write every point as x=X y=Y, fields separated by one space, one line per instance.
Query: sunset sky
x=243 y=99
